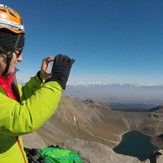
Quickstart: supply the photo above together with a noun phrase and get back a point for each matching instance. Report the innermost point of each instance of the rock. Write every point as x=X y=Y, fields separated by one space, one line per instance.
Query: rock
x=93 y=152
x=33 y=140
x=156 y=157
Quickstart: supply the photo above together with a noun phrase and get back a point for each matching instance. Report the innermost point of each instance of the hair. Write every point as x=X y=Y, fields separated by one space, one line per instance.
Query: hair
x=8 y=39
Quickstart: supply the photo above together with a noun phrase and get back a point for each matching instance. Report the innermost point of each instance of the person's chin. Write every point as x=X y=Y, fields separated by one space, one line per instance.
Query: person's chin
x=10 y=72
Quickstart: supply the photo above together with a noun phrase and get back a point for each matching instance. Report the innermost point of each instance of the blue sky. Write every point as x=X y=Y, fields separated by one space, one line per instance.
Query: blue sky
x=112 y=41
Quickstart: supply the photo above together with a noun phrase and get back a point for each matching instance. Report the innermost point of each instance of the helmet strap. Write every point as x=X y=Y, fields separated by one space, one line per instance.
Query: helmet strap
x=10 y=55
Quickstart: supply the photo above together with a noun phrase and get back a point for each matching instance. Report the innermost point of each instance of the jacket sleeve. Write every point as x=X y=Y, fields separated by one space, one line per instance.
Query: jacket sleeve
x=27 y=116
x=30 y=87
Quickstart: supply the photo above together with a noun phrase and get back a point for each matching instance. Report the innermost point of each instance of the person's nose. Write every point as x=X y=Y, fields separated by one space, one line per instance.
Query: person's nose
x=20 y=58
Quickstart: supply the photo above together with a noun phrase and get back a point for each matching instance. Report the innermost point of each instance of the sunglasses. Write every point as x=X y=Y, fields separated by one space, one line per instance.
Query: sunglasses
x=18 y=52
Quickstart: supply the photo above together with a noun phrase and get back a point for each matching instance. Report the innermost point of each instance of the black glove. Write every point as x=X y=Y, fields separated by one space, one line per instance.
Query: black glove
x=61 y=69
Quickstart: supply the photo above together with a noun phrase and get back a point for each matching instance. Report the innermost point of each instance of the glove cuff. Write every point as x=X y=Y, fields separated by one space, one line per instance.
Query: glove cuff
x=59 y=80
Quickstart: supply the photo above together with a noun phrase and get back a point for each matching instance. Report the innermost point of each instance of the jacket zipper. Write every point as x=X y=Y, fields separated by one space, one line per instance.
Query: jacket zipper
x=21 y=150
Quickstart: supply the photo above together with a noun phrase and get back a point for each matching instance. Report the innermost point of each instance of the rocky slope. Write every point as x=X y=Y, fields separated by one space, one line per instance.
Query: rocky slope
x=93 y=122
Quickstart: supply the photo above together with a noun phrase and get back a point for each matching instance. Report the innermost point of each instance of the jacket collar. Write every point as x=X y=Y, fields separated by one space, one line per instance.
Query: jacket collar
x=5 y=83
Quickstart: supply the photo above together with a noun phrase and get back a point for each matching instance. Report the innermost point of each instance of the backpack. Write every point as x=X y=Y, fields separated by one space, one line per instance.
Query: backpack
x=52 y=155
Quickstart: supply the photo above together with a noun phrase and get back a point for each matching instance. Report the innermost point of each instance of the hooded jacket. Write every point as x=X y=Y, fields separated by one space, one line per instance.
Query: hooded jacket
x=21 y=115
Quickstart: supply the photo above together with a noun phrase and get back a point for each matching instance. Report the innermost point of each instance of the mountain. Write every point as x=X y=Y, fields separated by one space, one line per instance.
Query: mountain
x=117 y=93
x=93 y=122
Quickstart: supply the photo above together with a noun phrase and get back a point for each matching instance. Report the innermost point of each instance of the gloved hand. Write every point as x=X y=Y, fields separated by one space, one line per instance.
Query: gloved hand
x=61 y=69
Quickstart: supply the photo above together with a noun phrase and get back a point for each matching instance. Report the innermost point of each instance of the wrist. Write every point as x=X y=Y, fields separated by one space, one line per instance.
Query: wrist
x=39 y=76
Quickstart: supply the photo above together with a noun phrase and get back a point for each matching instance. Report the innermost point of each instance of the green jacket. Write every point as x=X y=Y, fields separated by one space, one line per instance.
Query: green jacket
x=38 y=103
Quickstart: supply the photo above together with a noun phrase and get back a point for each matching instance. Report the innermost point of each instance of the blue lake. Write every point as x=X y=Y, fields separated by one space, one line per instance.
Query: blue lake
x=135 y=144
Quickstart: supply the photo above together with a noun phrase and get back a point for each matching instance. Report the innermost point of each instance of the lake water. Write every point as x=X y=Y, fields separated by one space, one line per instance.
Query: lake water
x=135 y=144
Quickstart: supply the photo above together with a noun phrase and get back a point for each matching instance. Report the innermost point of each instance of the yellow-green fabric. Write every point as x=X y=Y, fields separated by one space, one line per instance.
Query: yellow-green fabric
x=38 y=103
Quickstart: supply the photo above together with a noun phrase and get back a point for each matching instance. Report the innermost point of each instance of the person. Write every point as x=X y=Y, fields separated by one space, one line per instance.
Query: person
x=24 y=108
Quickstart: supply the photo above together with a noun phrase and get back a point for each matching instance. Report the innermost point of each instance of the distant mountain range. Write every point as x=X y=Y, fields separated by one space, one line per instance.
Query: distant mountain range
x=117 y=93
x=88 y=84
x=148 y=94
x=112 y=84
